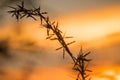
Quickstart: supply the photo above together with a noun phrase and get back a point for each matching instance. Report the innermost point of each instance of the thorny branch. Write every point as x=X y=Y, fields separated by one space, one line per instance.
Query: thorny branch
x=80 y=62
x=81 y=65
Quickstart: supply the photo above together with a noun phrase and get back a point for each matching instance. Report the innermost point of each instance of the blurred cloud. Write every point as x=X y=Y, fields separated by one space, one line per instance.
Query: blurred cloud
x=69 y=6
x=29 y=49
x=5 y=3
x=106 y=50
x=4 y=48
x=57 y=7
x=24 y=48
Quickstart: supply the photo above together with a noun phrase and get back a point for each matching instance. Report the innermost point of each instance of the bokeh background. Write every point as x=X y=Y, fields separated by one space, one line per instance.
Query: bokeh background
x=25 y=54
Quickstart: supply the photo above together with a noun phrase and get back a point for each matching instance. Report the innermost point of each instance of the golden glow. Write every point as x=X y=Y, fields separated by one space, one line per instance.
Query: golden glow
x=52 y=73
x=109 y=72
x=97 y=28
x=117 y=77
x=90 y=25
x=101 y=79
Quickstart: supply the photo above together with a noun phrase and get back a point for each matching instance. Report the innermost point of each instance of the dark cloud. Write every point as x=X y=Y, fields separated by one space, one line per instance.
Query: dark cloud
x=4 y=48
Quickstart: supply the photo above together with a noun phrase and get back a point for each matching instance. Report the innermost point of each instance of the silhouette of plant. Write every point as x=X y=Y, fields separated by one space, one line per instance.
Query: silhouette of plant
x=54 y=33
x=81 y=65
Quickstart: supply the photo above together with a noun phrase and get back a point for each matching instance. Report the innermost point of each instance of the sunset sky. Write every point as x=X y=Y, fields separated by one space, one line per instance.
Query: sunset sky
x=94 y=24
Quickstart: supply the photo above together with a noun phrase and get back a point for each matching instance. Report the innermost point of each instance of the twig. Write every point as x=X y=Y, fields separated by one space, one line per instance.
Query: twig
x=80 y=62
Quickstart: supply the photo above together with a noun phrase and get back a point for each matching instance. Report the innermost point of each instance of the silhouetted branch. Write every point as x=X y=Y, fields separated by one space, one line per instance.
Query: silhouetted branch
x=54 y=33
x=81 y=65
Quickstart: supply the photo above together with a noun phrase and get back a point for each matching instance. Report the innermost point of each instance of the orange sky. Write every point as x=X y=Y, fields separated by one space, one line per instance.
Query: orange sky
x=98 y=30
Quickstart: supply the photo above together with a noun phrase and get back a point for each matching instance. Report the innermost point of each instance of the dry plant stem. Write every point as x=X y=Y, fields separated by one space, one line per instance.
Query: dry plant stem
x=81 y=65
x=59 y=36
x=21 y=12
x=80 y=62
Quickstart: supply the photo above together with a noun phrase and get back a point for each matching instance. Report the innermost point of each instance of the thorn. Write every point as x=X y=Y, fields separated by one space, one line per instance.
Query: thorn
x=22 y=16
x=63 y=53
x=67 y=44
x=87 y=54
x=53 y=23
x=48 y=30
x=11 y=7
x=59 y=48
x=71 y=43
x=23 y=4
x=54 y=39
x=44 y=13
